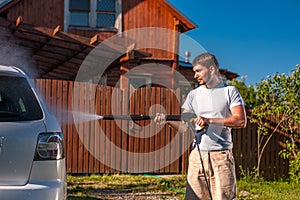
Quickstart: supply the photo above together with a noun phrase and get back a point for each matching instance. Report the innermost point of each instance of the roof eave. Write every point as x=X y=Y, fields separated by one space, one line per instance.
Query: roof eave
x=186 y=23
x=8 y=4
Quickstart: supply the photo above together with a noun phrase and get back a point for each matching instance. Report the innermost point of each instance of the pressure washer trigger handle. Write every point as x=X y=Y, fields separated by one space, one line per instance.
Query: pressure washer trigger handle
x=188 y=117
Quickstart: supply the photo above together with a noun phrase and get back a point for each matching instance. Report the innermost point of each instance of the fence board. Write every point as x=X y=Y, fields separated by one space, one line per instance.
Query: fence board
x=65 y=114
x=161 y=139
x=81 y=152
x=86 y=133
x=75 y=150
x=98 y=142
x=107 y=129
x=91 y=126
x=175 y=110
x=125 y=125
x=102 y=100
x=158 y=135
x=147 y=129
x=152 y=129
x=102 y=104
x=113 y=133
x=118 y=111
x=167 y=134
x=70 y=133
x=136 y=132
x=253 y=133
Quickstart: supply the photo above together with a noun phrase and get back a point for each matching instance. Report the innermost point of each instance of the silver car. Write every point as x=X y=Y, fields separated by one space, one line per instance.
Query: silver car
x=32 y=163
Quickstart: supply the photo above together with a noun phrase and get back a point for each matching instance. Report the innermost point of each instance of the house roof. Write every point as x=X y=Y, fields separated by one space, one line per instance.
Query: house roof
x=4 y=2
x=56 y=54
x=59 y=55
x=228 y=74
x=186 y=23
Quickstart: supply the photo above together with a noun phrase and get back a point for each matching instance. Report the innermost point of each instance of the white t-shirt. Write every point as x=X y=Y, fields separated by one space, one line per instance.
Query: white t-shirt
x=214 y=103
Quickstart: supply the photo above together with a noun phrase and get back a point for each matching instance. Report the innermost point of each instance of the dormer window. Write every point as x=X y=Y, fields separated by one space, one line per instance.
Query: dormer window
x=93 y=14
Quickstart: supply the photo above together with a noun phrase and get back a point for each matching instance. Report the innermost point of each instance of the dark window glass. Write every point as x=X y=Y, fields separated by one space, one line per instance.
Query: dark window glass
x=80 y=5
x=105 y=20
x=106 y=5
x=17 y=100
x=81 y=15
x=79 y=12
x=79 y=19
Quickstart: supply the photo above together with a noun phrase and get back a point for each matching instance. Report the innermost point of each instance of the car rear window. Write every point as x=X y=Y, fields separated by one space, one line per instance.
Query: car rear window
x=17 y=100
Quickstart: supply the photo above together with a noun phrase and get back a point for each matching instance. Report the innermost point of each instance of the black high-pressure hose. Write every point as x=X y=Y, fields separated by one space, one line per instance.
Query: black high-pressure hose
x=140 y=117
x=188 y=119
x=185 y=117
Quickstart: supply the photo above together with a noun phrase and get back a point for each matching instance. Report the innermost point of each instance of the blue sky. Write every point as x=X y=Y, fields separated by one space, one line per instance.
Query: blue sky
x=252 y=38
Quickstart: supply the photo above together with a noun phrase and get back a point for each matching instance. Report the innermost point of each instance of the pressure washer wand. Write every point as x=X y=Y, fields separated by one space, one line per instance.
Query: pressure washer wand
x=140 y=117
x=186 y=117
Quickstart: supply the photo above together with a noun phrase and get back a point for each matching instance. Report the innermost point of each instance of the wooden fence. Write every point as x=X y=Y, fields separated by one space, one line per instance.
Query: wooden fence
x=95 y=146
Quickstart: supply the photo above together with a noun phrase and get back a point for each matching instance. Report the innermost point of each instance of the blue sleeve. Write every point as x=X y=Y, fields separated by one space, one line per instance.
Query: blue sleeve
x=235 y=98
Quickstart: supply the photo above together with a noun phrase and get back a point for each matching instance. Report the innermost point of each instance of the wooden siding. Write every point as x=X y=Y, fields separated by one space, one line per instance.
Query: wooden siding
x=91 y=33
x=48 y=14
x=39 y=13
x=136 y=14
x=58 y=95
x=146 y=13
x=150 y=13
x=160 y=73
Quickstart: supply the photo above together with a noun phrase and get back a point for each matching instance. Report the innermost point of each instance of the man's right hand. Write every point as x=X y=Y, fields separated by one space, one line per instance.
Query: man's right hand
x=160 y=118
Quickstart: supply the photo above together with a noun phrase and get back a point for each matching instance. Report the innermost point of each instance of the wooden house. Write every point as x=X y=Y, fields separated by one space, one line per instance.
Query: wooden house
x=57 y=36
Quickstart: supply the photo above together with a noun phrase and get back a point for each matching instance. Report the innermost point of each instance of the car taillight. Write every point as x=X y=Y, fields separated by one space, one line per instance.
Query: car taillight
x=49 y=147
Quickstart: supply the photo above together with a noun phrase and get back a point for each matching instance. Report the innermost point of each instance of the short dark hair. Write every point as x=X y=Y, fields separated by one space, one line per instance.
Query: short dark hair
x=206 y=60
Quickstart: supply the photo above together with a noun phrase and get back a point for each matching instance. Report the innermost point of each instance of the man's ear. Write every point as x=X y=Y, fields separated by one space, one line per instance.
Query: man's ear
x=212 y=69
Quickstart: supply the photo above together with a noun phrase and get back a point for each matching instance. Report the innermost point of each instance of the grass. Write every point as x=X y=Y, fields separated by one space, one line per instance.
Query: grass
x=167 y=187
x=265 y=190
x=125 y=186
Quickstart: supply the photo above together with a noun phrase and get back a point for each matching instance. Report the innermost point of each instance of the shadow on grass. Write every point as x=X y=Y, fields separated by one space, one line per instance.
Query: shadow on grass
x=90 y=191
x=115 y=191
x=82 y=198
x=125 y=187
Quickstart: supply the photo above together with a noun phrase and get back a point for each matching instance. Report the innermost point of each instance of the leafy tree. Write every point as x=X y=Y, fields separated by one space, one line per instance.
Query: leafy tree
x=279 y=102
x=248 y=92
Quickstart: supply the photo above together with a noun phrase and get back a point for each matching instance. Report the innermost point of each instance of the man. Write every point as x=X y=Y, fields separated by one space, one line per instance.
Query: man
x=219 y=107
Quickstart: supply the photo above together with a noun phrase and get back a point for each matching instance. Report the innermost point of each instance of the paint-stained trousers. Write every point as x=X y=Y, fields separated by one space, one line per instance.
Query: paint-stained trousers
x=220 y=171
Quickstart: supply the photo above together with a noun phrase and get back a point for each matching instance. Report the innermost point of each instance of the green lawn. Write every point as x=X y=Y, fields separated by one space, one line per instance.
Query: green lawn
x=166 y=187
x=269 y=190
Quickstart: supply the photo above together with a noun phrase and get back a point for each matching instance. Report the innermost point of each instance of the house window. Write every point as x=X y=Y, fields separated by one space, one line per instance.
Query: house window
x=93 y=14
x=79 y=12
x=138 y=80
x=106 y=13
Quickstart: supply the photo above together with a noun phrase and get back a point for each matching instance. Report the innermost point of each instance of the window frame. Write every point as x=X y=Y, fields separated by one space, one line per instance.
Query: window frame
x=139 y=77
x=92 y=18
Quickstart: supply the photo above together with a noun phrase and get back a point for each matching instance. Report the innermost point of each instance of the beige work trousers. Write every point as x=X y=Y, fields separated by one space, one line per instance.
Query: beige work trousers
x=220 y=172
